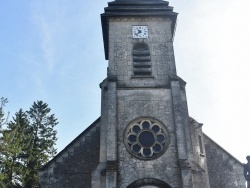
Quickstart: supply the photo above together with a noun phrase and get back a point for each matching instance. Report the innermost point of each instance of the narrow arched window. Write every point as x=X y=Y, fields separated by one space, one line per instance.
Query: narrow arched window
x=141 y=60
x=200 y=145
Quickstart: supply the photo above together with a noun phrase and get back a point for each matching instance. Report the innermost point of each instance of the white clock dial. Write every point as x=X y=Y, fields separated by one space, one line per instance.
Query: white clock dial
x=140 y=31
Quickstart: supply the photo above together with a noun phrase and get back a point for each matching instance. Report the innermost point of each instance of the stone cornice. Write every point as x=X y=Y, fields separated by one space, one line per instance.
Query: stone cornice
x=139 y=8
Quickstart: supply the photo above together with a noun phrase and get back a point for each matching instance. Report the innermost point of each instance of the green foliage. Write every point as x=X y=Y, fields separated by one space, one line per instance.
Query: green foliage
x=13 y=148
x=27 y=144
x=3 y=101
x=3 y=120
x=43 y=138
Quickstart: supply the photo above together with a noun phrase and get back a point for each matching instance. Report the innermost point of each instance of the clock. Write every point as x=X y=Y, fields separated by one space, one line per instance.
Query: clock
x=140 y=32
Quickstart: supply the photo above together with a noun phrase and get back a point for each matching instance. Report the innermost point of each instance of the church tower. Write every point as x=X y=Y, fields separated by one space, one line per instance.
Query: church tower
x=145 y=134
x=144 y=137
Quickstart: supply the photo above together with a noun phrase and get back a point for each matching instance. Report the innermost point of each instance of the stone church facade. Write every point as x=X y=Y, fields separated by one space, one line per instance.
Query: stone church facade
x=145 y=136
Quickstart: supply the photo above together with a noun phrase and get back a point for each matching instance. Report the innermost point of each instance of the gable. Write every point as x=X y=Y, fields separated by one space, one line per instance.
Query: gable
x=224 y=169
x=72 y=167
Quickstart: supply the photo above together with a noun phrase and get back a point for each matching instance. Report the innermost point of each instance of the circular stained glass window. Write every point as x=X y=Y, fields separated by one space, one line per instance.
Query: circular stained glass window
x=146 y=138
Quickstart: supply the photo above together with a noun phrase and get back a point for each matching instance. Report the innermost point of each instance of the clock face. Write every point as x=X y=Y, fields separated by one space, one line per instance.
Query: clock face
x=140 y=32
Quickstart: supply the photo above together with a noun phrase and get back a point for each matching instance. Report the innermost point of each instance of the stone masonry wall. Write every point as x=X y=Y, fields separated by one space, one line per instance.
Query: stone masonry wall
x=160 y=45
x=199 y=163
x=224 y=170
x=74 y=170
x=154 y=103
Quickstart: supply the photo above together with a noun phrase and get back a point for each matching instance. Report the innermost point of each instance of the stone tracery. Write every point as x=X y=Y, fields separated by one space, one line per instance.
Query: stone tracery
x=146 y=138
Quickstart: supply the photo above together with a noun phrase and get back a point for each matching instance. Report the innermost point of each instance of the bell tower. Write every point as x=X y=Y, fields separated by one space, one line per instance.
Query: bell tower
x=145 y=136
x=146 y=139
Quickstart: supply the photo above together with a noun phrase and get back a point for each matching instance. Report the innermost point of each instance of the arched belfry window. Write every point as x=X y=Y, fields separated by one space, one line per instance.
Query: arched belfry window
x=141 y=60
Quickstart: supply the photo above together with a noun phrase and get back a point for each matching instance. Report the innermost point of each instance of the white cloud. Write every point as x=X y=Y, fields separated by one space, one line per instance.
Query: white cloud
x=47 y=23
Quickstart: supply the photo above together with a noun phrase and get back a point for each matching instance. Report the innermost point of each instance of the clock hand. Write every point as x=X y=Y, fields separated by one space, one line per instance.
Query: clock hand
x=138 y=31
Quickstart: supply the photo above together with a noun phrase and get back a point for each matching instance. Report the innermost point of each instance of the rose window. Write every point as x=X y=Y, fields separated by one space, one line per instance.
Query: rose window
x=146 y=138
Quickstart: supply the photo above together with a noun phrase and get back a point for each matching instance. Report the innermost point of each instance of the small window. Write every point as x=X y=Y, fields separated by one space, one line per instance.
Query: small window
x=141 y=60
x=200 y=144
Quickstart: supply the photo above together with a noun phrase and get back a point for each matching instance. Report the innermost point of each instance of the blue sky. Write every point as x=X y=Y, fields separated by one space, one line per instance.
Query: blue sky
x=53 y=51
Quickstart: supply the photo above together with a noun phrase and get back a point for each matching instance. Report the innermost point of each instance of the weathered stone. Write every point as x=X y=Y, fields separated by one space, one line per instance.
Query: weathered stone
x=74 y=170
x=106 y=154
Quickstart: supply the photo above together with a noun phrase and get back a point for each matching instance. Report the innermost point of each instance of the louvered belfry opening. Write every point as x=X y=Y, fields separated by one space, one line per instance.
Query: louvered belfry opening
x=141 y=60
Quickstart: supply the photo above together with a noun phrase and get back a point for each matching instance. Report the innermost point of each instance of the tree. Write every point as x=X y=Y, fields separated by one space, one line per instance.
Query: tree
x=27 y=144
x=43 y=139
x=3 y=120
x=13 y=149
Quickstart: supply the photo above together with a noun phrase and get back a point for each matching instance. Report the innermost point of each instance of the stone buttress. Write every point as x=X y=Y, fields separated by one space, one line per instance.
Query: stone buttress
x=145 y=126
x=144 y=137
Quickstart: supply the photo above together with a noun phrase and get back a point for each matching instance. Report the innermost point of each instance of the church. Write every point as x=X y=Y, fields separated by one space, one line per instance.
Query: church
x=145 y=136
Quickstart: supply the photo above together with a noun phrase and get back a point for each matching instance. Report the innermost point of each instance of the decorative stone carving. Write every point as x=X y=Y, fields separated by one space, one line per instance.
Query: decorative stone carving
x=146 y=138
